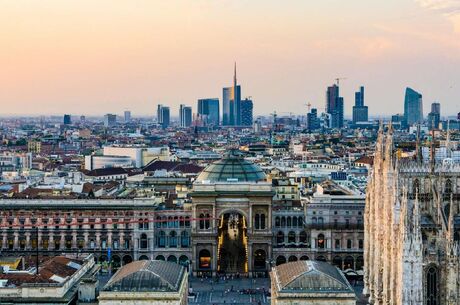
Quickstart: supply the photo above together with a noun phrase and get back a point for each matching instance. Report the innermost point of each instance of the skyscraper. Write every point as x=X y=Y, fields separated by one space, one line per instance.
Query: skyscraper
x=413 y=107
x=185 y=116
x=127 y=116
x=434 y=117
x=313 y=120
x=163 y=116
x=67 y=119
x=232 y=104
x=360 y=112
x=246 y=112
x=209 y=111
x=334 y=106
x=110 y=120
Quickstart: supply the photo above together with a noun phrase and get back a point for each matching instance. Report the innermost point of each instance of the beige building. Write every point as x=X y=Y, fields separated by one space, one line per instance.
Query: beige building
x=310 y=283
x=232 y=234
x=147 y=282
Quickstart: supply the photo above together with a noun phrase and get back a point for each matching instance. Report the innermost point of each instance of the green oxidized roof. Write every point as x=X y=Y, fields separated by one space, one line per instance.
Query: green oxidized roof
x=232 y=168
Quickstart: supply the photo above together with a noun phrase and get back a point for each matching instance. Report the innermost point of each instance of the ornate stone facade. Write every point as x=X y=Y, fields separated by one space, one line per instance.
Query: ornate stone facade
x=411 y=250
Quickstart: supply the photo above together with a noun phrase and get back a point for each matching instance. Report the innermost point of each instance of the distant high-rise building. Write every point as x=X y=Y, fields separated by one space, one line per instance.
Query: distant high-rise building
x=247 y=109
x=413 y=107
x=231 y=104
x=313 y=122
x=208 y=109
x=163 y=116
x=82 y=119
x=127 y=116
x=67 y=119
x=110 y=120
x=334 y=106
x=185 y=116
x=360 y=112
x=434 y=117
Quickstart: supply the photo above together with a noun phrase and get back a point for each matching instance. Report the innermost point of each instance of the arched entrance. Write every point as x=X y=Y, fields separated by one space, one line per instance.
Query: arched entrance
x=337 y=261
x=116 y=263
x=204 y=260
x=292 y=258
x=280 y=260
x=127 y=259
x=348 y=263
x=172 y=259
x=143 y=258
x=260 y=258
x=160 y=258
x=232 y=243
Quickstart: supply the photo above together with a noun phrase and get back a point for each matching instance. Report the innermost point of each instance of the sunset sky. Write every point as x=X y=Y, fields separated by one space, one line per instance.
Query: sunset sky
x=100 y=56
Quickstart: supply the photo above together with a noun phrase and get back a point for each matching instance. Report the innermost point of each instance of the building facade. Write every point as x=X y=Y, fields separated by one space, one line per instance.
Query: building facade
x=247 y=109
x=413 y=107
x=185 y=116
x=411 y=230
x=360 y=112
x=334 y=106
x=231 y=104
x=208 y=110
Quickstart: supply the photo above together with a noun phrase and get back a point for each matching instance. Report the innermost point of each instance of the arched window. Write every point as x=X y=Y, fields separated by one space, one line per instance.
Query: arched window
x=348 y=263
x=162 y=239
x=146 y=224
x=184 y=239
x=291 y=237
x=158 y=222
x=303 y=237
x=262 y=221
x=294 y=222
x=144 y=241
x=187 y=222
x=359 y=263
x=416 y=187
x=172 y=259
x=321 y=243
x=289 y=222
x=201 y=221
x=320 y=222
x=176 y=222
x=170 y=222
x=173 y=239
x=260 y=258
x=448 y=188
x=280 y=238
x=164 y=222
x=300 y=222
x=349 y=244
x=257 y=221
x=277 y=222
x=283 y=221
x=141 y=224
x=181 y=222
x=431 y=287
x=160 y=258
x=337 y=261
x=207 y=221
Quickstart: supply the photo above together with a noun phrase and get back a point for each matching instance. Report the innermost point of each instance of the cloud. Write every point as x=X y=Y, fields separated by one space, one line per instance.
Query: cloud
x=446 y=7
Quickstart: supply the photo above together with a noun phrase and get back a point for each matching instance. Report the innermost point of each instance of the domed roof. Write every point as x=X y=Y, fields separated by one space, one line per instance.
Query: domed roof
x=232 y=168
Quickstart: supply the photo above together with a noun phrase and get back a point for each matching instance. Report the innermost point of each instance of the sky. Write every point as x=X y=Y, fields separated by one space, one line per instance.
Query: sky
x=105 y=56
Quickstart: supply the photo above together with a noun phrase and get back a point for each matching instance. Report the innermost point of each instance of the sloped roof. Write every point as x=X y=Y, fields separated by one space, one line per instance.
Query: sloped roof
x=310 y=276
x=170 y=166
x=147 y=276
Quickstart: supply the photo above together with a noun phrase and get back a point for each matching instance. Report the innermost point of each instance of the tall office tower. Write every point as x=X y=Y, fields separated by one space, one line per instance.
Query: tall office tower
x=247 y=108
x=82 y=119
x=163 y=116
x=413 y=107
x=334 y=106
x=434 y=117
x=360 y=112
x=312 y=120
x=127 y=116
x=67 y=119
x=110 y=120
x=185 y=116
x=232 y=104
x=208 y=109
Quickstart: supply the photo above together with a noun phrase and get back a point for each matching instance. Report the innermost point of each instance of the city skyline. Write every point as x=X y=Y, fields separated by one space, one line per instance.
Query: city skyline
x=95 y=58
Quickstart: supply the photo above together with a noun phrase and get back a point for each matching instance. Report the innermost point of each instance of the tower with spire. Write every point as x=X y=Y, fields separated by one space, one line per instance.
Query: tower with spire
x=231 y=108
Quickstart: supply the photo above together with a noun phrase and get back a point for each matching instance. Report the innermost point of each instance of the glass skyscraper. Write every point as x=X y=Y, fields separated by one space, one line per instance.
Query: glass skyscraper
x=163 y=116
x=231 y=104
x=185 y=116
x=209 y=111
x=413 y=107
x=360 y=112
x=334 y=106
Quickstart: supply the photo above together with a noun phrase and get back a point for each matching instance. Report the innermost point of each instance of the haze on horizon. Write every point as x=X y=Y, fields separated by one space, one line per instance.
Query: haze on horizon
x=95 y=57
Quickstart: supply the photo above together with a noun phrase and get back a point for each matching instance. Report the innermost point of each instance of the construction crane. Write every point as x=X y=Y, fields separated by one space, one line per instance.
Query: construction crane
x=338 y=79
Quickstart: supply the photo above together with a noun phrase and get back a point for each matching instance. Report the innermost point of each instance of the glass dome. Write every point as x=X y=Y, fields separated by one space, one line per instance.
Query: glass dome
x=232 y=168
